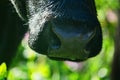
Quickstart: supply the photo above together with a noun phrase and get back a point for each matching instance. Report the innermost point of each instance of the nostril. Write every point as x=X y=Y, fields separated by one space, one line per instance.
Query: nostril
x=55 y=42
x=55 y=45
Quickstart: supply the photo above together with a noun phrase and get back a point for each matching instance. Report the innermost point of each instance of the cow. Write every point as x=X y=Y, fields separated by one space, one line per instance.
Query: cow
x=59 y=29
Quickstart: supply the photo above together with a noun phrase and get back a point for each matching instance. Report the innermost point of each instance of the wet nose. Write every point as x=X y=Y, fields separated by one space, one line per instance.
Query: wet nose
x=66 y=40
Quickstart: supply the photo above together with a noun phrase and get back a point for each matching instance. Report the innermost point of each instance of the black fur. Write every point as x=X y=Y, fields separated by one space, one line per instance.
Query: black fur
x=12 y=31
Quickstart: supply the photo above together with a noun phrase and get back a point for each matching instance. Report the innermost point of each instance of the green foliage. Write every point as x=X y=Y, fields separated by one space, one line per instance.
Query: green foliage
x=105 y=4
x=3 y=71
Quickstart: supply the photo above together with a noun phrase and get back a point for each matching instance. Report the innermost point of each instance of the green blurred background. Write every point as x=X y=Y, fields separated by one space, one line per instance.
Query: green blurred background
x=28 y=65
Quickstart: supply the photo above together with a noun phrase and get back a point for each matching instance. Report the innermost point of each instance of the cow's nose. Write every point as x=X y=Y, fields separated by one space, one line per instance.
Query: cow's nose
x=67 y=40
x=73 y=37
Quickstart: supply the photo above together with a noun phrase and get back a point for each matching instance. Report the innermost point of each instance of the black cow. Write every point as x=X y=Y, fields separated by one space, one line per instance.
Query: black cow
x=60 y=29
